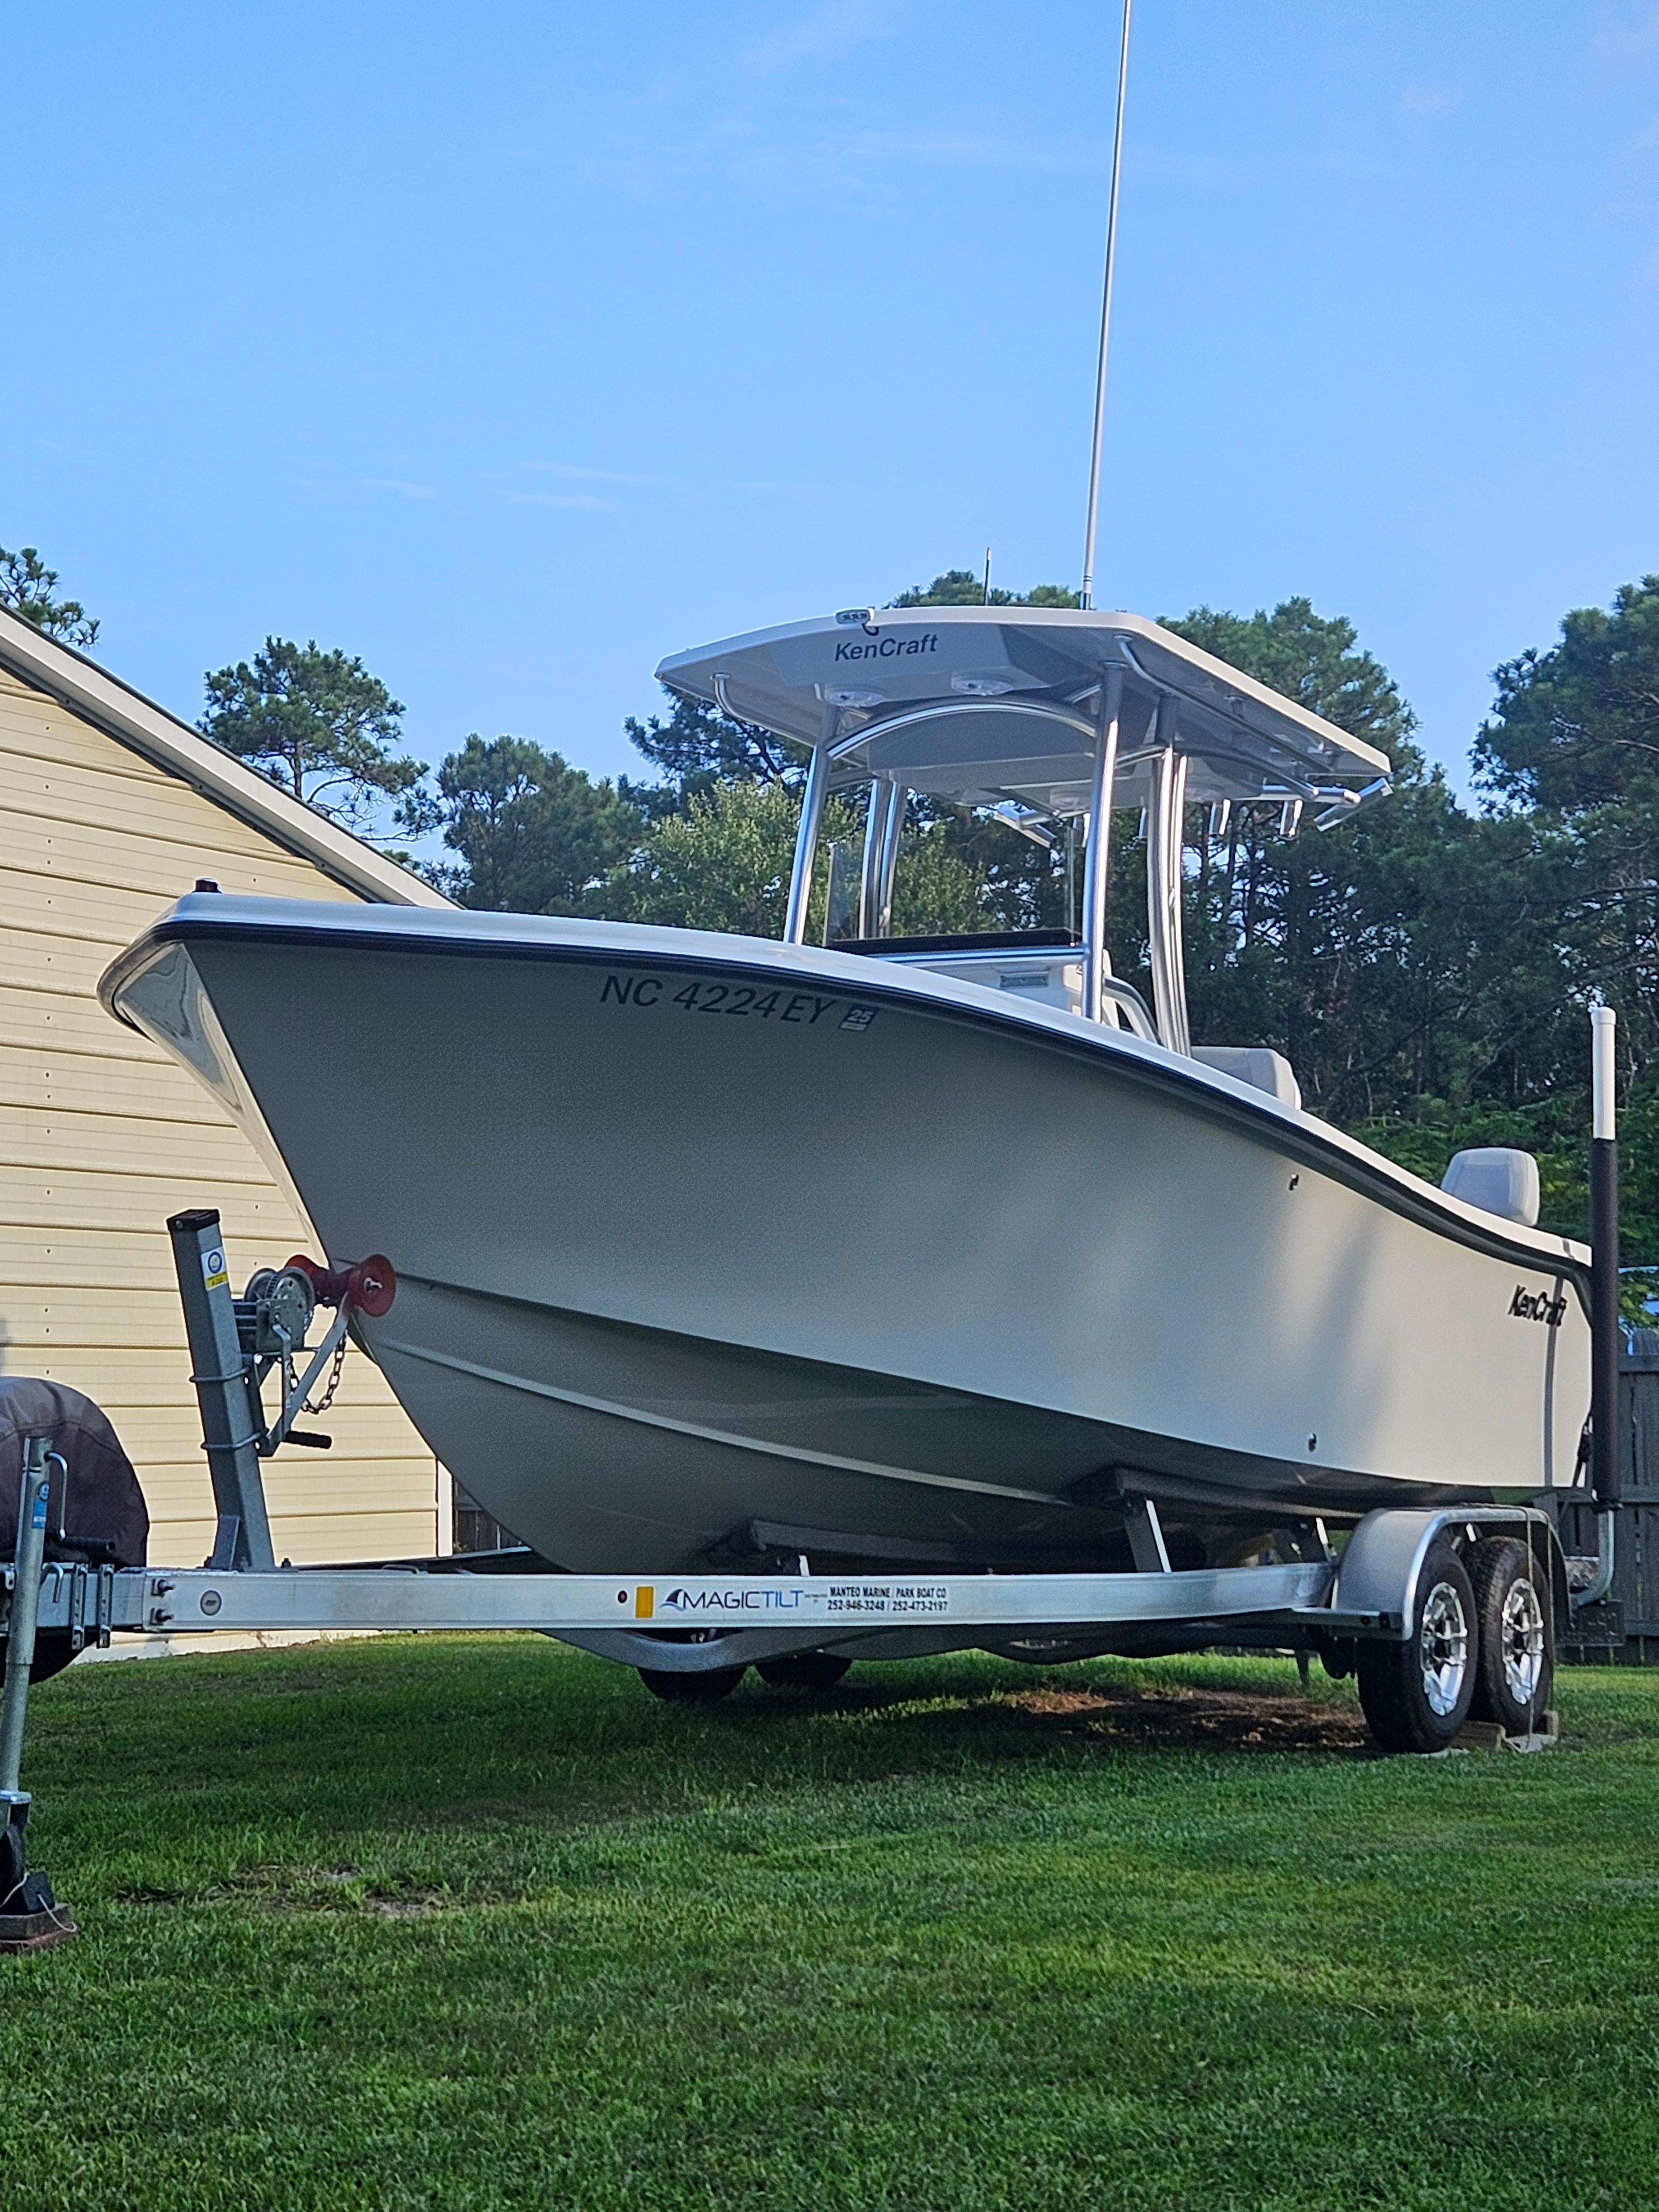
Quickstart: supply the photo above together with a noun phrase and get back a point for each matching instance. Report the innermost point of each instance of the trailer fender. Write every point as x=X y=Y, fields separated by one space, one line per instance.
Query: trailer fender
x=1380 y=1569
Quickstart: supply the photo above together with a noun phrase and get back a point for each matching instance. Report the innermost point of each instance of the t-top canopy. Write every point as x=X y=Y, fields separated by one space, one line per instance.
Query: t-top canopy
x=989 y=705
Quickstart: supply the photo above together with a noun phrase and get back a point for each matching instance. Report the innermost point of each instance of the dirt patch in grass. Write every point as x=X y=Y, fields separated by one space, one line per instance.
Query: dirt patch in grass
x=1212 y=1720
x=320 y=1889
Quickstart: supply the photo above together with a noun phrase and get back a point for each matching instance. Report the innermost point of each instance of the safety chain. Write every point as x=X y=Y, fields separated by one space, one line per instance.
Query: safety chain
x=322 y=1404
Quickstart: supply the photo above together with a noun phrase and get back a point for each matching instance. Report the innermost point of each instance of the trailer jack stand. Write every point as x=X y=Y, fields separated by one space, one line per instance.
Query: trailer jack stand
x=30 y=1919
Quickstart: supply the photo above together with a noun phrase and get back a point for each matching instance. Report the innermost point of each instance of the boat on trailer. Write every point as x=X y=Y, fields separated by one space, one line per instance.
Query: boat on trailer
x=940 y=1255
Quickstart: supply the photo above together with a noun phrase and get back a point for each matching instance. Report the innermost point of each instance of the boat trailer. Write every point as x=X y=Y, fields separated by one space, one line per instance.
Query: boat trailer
x=1369 y=1606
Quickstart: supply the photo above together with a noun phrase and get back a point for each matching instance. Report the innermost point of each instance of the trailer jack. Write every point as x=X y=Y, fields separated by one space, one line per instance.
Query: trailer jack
x=30 y=1919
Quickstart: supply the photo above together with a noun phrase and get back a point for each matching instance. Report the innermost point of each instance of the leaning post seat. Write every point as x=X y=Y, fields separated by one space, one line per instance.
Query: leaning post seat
x=1498 y=1178
x=1258 y=1064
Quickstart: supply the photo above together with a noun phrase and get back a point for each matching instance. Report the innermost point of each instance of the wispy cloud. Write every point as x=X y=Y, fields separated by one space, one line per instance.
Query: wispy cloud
x=1639 y=34
x=1430 y=99
x=858 y=164
x=404 y=490
x=870 y=165
x=831 y=30
x=584 y=476
x=583 y=502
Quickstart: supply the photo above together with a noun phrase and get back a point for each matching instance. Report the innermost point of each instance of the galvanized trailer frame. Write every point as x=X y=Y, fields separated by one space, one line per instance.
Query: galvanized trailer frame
x=712 y=1621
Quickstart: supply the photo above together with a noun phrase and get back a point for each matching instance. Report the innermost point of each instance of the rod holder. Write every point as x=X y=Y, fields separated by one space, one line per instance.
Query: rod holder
x=1607 y=1337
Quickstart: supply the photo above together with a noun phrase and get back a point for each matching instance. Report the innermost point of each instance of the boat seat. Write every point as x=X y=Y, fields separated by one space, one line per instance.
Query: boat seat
x=1498 y=1179
x=1256 y=1064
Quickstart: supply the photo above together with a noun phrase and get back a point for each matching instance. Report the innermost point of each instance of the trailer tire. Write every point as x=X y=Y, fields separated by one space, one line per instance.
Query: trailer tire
x=53 y=1652
x=803 y=1670
x=1416 y=1694
x=1516 y=1664
x=706 y=1688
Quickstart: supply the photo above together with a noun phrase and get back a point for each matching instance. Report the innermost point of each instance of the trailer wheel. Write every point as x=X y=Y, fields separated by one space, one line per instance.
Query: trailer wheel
x=804 y=1670
x=53 y=1651
x=707 y=1687
x=1517 y=1653
x=1417 y=1694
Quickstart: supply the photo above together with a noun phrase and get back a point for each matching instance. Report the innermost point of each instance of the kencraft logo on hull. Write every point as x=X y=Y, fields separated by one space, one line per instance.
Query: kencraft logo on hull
x=1538 y=1305
x=889 y=648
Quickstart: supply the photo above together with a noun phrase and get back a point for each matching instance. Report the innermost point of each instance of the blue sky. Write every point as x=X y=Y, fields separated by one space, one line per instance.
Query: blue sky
x=512 y=347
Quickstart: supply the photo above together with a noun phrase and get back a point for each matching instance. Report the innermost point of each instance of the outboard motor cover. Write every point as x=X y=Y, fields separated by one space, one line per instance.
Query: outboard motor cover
x=98 y=1514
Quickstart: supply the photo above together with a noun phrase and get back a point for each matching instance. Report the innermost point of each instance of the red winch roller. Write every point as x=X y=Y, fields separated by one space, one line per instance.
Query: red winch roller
x=368 y=1285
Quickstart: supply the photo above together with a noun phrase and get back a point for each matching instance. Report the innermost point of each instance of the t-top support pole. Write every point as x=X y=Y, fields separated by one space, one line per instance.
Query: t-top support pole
x=1097 y=855
x=875 y=829
x=806 y=837
x=230 y=1420
x=892 y=832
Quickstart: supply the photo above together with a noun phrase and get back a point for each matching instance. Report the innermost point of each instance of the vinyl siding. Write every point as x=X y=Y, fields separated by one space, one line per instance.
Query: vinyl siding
x=102 y=1137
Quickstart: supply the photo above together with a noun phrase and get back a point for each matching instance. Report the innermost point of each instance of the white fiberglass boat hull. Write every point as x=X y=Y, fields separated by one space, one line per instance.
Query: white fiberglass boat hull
x=696 y=1232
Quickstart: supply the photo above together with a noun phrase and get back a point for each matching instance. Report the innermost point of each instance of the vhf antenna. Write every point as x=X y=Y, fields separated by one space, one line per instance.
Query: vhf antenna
x=1086 y=596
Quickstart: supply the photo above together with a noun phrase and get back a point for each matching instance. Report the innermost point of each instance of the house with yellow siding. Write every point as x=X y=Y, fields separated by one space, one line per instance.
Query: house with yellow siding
x=111 y=808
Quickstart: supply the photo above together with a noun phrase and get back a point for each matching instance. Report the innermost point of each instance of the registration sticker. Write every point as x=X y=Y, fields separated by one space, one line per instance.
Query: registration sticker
x=213 y=1270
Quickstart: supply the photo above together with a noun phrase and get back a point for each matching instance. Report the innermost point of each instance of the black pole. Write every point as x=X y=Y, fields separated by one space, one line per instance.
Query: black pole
x=1606 y=1470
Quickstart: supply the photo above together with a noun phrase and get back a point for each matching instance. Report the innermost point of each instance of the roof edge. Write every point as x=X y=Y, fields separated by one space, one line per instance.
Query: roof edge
x=103 y=700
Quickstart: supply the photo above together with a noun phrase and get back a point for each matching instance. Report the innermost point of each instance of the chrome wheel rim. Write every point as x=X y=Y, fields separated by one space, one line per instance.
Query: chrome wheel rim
x=1443 y=1643
x=1522 y=1633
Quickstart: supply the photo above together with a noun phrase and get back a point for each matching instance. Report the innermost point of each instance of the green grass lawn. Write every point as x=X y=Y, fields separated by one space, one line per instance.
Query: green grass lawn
x=475 y=1923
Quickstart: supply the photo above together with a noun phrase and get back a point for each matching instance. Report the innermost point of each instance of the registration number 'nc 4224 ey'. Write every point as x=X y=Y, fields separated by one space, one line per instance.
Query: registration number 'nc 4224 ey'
x=750 y=1001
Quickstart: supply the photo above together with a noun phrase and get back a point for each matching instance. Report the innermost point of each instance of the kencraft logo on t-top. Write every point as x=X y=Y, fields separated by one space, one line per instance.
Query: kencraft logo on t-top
x=1538 y=1305
x=890 y=646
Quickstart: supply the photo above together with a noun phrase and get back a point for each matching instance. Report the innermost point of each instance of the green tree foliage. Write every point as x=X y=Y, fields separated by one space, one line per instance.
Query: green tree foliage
x=1314 y=660
x=722 y=864
x=532 y=834
x=316 y=723
x=29 y=588
x=936 y=890
x=696 y=748
x=960 y=588
x=725 y=864
x=1572 y=749
x=1577 y=727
